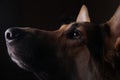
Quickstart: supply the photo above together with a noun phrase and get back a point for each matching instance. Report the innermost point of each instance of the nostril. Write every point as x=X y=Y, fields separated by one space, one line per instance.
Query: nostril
x=9 y=35
x=13 y=33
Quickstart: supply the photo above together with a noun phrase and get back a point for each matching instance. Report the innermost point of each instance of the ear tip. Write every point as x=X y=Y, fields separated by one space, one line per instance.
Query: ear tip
x=115 y=17
x=84 y=6
x=83 y=15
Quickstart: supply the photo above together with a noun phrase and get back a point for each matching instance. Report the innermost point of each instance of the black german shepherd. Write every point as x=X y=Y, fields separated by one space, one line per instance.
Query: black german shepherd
x=81 y=50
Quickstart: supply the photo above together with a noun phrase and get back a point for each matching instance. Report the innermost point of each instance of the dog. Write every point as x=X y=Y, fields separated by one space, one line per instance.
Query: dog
x=81 y=50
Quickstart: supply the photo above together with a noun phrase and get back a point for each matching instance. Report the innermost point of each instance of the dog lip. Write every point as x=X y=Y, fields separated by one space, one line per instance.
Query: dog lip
x=12 y=55
x=19 y=62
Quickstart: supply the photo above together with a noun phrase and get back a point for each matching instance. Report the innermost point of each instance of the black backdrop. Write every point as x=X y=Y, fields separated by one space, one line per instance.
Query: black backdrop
x=45 y=14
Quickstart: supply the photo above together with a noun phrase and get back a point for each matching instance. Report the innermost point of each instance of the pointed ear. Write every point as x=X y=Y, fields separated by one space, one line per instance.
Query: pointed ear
x=114 y=23
x=83 y=15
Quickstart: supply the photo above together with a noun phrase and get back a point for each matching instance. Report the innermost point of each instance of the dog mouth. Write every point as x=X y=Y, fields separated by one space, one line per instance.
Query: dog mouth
x=19 y=62
x=12 y=36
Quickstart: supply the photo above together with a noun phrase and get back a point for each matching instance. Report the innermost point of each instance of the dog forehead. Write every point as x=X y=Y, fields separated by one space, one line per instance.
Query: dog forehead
x=82 y=26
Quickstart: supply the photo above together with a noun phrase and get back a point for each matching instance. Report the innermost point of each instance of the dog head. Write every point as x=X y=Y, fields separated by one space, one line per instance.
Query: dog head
x=74 y=51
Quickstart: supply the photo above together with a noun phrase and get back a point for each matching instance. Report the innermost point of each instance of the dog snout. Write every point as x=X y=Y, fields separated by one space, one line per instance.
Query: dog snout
x=13 y=33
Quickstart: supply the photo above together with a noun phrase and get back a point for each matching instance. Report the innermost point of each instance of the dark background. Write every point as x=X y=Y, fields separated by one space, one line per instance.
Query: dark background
x=45 y=14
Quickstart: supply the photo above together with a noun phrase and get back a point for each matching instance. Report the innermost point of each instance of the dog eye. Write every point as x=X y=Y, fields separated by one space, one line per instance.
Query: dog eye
x=75 y=34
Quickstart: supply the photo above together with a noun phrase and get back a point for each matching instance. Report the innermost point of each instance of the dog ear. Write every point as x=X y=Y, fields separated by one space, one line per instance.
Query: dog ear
x=114 y=23
x=83 y=15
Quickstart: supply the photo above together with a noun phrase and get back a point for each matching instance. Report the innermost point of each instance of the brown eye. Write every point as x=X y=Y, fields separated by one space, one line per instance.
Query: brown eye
x=77 y=34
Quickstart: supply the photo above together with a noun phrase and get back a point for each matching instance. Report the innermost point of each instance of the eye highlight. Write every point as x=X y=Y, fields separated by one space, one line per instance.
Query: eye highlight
x=76 y=34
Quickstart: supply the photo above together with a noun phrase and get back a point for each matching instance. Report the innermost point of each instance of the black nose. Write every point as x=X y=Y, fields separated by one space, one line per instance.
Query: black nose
x=13 y=33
